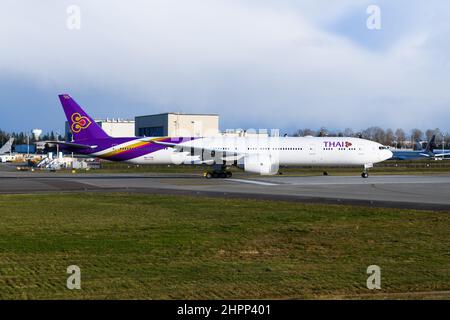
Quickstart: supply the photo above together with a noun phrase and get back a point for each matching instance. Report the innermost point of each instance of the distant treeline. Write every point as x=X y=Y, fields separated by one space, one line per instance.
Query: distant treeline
x=22 y=137
x=398 y=138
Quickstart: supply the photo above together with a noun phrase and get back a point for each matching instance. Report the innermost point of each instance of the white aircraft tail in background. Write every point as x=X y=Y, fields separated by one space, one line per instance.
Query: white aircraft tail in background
x=7 y=146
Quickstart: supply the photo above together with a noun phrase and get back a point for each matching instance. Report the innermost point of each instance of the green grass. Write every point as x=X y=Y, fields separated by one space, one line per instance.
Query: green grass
x=167 y=247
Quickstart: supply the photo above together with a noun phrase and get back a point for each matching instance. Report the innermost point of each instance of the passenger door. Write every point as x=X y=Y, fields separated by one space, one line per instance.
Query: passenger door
x=312 y=153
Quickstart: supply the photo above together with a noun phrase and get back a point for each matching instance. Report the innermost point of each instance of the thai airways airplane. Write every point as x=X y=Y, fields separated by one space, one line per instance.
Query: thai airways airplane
x=262 y=155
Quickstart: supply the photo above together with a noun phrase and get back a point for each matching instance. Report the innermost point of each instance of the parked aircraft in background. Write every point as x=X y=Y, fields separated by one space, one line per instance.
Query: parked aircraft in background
x=262 y=155
x=427 y=153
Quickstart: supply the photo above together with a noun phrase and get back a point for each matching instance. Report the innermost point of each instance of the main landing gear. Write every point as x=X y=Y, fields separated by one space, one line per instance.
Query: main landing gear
x=218 y=172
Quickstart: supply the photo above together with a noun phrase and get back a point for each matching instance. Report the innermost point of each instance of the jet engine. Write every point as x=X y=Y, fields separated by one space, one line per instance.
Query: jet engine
x=264 y=164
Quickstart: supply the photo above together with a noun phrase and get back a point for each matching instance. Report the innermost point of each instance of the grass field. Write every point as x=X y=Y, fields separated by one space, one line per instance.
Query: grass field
x=165 y=247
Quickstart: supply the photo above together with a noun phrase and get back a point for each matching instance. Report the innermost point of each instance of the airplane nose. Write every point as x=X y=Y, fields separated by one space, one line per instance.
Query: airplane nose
x=389 y=154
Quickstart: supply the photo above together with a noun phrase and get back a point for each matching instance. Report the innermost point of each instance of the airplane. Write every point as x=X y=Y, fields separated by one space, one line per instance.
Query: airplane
x=262 y=155
x=420 y=153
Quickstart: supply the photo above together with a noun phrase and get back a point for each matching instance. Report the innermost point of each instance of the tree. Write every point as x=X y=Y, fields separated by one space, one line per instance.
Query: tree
x=428 y=134
x=309 y=132
x=375 y=134
x=304 y=132
x=416 y=134
x=400 y=137
x=390 y=137
x=379 y=135
x=348 y=132
x=323 y=132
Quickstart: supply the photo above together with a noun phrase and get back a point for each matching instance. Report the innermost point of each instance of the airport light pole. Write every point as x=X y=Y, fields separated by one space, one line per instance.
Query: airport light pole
x=444 y=134
x=57 y=145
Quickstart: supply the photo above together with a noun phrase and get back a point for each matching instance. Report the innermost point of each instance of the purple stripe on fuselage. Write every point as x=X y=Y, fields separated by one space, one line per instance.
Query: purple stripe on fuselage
x=125 y=155
x=136 y=152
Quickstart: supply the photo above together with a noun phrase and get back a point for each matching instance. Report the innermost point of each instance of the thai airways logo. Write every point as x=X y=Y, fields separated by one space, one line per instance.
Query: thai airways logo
x=79 y=122
x=337 y=144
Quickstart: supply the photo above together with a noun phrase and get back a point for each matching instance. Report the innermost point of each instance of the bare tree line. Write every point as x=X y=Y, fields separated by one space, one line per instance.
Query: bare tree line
x=397 y=139
x=24 y=137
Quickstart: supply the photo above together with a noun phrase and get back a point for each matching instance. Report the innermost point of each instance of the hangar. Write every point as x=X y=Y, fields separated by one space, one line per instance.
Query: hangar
x=177 y=124
x=169 y=124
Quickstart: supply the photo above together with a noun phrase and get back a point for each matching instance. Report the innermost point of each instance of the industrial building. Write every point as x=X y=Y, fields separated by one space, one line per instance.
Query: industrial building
x=177 y=124
x=169 y=124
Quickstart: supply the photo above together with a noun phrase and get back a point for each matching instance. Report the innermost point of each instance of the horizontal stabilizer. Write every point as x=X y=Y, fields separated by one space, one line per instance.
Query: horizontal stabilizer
x=72 y=145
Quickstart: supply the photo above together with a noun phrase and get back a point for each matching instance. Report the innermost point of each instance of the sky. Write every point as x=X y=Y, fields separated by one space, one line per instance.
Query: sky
x=280 y=64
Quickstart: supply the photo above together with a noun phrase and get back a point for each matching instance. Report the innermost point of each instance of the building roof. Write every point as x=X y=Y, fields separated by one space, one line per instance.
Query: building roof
x=181 y=114
x=115 y=120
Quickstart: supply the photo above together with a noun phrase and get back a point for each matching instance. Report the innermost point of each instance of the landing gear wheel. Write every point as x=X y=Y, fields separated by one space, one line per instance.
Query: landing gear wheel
x=365 y=174
x=325 y=173
x=208 y=175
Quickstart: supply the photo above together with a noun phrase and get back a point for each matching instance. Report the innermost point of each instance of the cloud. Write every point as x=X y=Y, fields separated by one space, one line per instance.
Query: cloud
x=275 y=64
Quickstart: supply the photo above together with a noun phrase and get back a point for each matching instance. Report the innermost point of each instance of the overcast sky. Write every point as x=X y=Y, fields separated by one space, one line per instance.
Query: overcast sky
x=259 y=64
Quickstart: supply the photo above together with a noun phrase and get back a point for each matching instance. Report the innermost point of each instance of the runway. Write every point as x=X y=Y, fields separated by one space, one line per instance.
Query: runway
x=401 y=191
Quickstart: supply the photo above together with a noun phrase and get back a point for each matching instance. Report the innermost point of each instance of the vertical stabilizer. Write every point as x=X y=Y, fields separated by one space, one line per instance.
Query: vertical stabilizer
x=7 y=146
x=82 y=126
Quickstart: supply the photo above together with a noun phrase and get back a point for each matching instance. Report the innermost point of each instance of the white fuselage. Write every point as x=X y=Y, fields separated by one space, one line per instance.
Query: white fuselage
x=287 y=151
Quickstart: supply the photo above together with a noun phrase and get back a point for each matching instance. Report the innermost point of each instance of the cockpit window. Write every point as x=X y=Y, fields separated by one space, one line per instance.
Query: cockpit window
x=383 y=147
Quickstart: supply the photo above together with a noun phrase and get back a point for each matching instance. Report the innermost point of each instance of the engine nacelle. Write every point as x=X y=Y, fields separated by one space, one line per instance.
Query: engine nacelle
x=264 y=164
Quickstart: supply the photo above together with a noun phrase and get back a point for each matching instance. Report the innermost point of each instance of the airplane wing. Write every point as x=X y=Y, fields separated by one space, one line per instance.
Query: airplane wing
x=441 y=154
x=427 y=155
x=72 y=145
x=224 y=155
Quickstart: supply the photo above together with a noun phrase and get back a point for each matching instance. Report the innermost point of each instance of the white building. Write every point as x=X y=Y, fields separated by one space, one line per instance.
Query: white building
x=177 y=125
x=117 y=127
x=113 y=127
x=245 y=133
x=170 y=125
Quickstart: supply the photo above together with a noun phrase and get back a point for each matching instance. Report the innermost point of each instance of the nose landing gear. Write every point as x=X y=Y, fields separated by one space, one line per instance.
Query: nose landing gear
x=365 y=173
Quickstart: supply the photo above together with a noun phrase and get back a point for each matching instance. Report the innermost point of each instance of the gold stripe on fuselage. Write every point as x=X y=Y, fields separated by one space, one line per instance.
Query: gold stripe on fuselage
x=127 y=148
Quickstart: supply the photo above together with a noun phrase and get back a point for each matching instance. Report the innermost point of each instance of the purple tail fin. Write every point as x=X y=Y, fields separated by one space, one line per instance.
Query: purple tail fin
x=81 y=125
